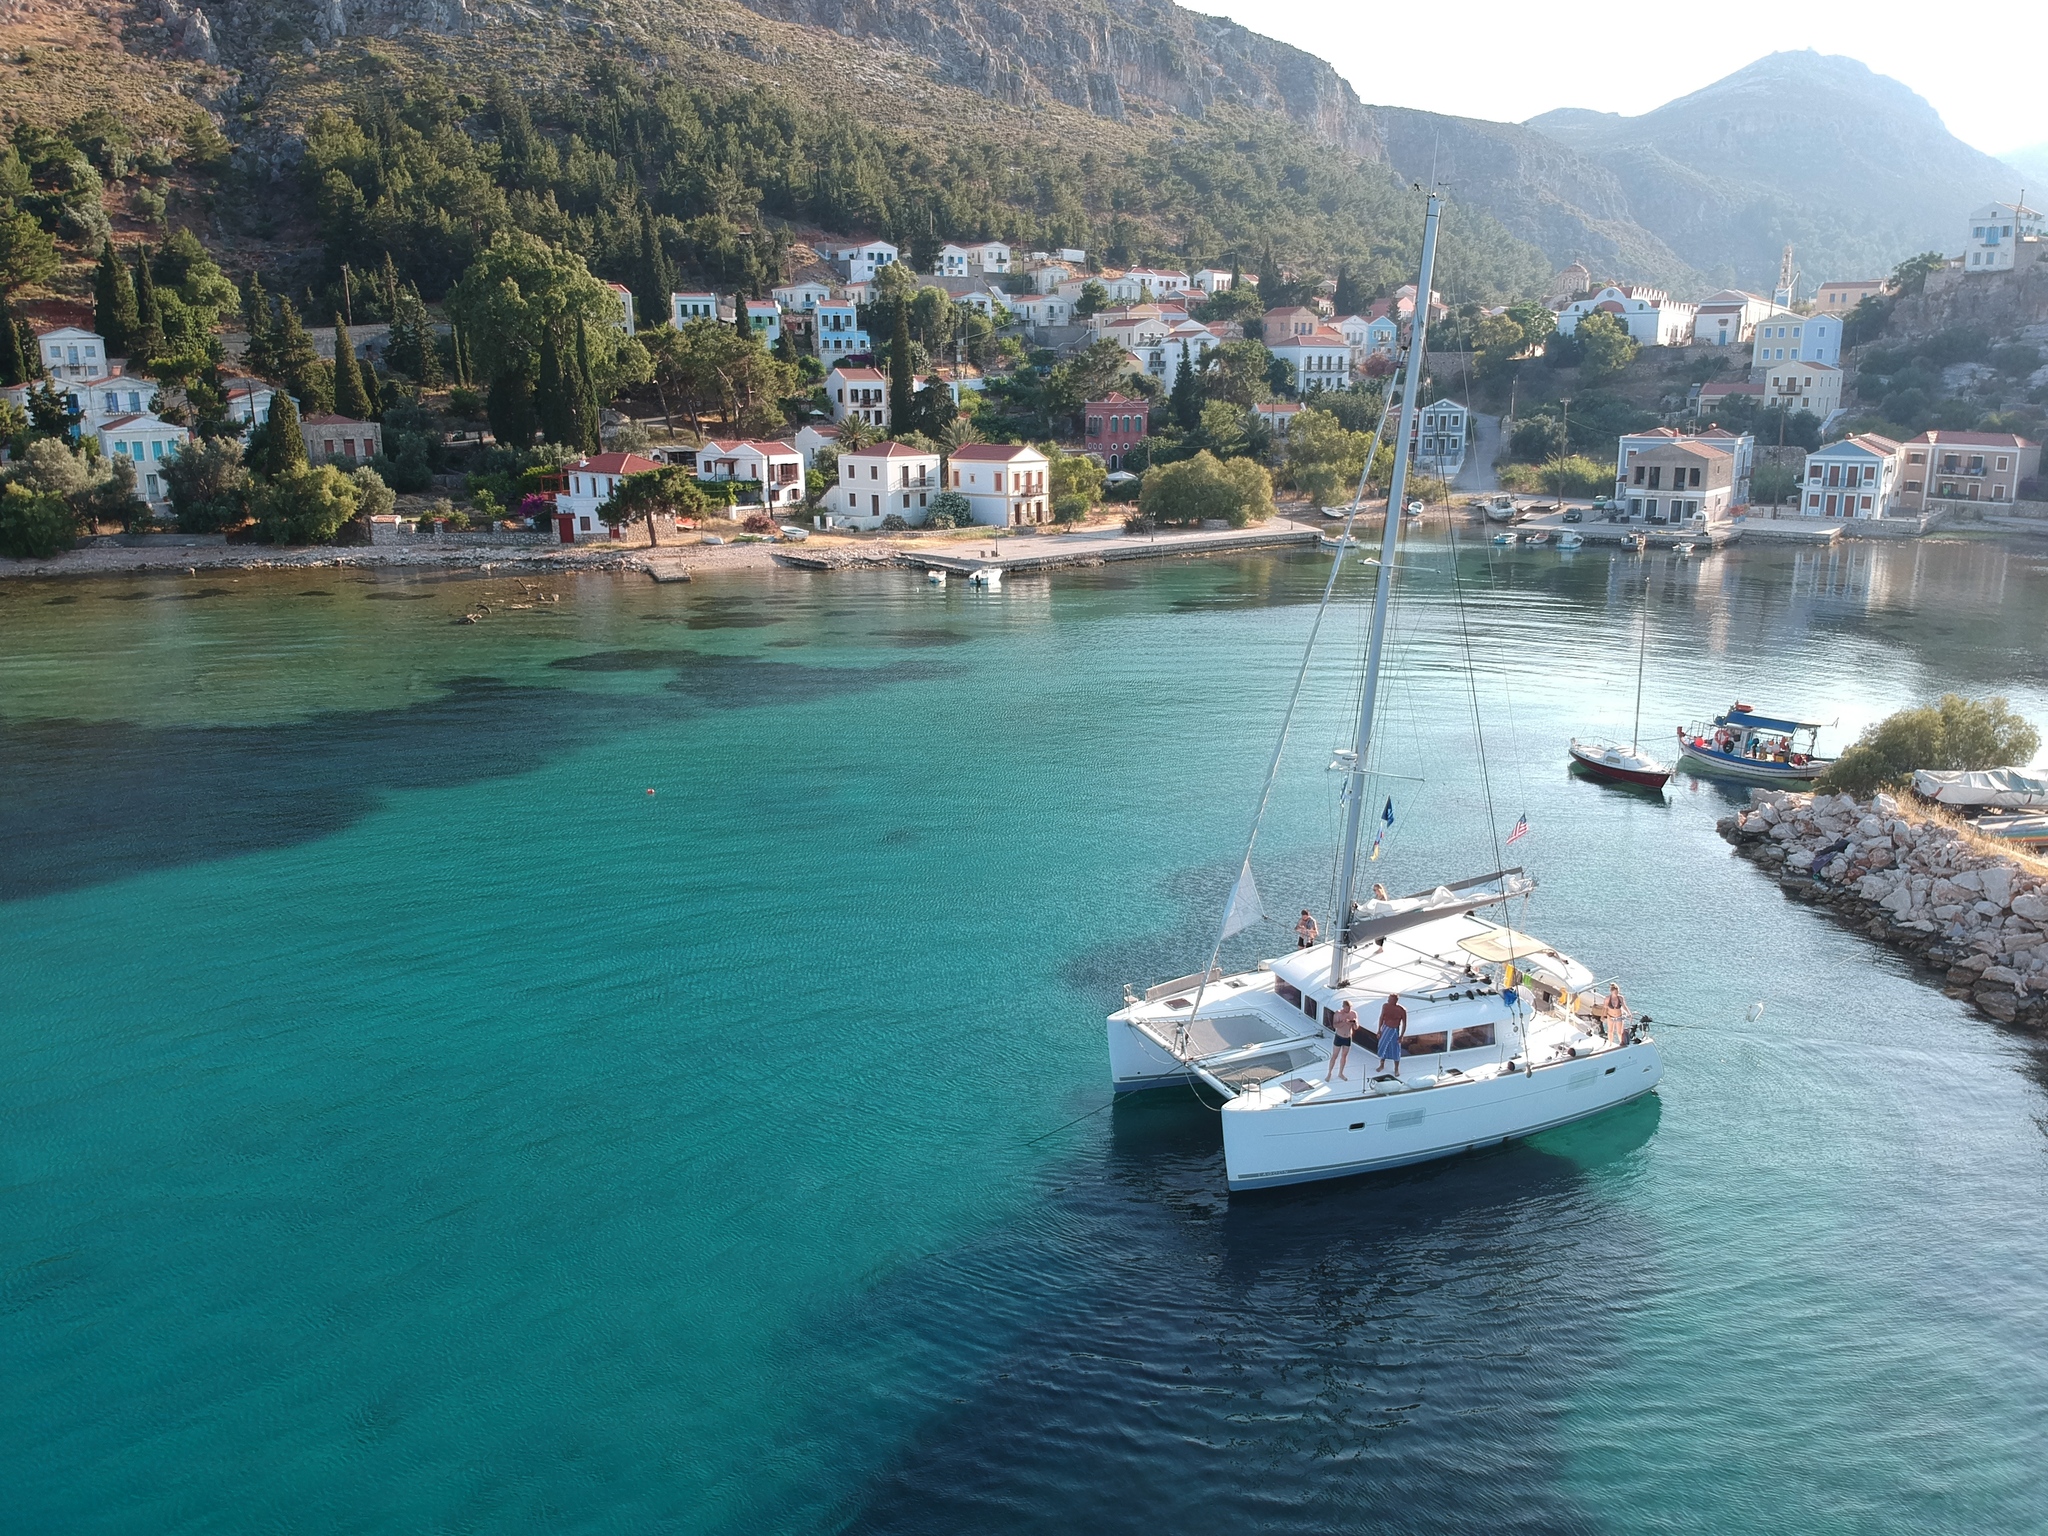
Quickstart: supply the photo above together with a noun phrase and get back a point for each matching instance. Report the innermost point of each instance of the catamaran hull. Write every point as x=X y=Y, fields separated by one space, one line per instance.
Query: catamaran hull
x=1267 y=1147
x=1137 y=1062
x=1717 y=766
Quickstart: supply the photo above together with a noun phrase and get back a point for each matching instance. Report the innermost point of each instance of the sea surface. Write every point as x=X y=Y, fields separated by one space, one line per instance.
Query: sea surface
x=635 y=1064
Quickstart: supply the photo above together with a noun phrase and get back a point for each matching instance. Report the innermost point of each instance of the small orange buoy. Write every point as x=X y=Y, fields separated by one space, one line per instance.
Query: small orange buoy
x=650 y=791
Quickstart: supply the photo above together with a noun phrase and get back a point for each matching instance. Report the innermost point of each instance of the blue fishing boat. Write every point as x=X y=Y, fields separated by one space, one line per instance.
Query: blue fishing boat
x=1759 y=749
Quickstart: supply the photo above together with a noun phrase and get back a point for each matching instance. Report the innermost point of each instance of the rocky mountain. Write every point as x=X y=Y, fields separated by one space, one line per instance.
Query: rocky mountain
x=1852 y=168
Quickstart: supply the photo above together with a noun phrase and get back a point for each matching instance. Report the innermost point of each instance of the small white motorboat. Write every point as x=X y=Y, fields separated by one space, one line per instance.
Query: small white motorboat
x=1415 y=509
x=1635 y=541
x=1536 y=536
x=935 y=578
x=1570 y=540
x=1505 y=536
x=1683 y=547
x=990 y=576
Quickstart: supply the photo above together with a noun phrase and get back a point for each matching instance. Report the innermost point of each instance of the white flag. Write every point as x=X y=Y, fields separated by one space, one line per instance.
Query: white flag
x=1244 y=908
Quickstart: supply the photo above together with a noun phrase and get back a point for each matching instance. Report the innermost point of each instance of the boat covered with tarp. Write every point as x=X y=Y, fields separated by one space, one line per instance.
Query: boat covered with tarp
x=1991 y=789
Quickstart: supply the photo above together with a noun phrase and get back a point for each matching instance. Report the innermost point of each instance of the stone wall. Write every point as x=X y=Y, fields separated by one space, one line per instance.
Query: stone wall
x=1974 y=914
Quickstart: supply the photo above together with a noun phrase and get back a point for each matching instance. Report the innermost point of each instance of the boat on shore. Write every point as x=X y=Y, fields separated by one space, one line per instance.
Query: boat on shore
x=1504 y=1034
x=1757 y=749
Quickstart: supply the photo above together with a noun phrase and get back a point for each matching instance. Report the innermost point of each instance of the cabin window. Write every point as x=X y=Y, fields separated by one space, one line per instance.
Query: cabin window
x=1288 y=994
x=1471 y=1037
x=1423 y=1045
x=1308 y=1006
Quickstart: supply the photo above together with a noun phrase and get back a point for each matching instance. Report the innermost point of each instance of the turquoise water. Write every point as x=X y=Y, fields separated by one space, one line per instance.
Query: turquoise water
x=412 y=1123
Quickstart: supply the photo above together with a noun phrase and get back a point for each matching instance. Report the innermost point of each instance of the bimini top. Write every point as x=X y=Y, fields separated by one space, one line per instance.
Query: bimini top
x=1745 y=718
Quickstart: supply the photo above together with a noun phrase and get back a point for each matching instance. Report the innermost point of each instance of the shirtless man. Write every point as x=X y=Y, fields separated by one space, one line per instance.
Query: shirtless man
x=1305 y=932
x=1346 y=1025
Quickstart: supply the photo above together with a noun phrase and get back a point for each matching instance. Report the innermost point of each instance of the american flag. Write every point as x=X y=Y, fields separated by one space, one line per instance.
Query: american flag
x=1520 y=830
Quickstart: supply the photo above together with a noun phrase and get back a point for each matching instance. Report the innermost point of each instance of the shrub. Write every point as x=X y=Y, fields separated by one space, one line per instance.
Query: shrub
x=1071 y=508
x=1954 y=732
x=209 y=485
x=894 y=523
x=305 y=505
x=1139 y=524
x=758 y=522
x=34 y=525
x=949 y=509
x=1207 y=488
x=1578 y=474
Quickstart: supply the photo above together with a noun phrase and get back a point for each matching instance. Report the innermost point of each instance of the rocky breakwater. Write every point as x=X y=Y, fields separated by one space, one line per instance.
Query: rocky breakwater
x=1972 y=912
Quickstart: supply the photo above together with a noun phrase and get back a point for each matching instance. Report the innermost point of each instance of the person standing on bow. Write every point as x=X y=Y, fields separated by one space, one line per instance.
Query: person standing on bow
x=1616 y=1010
x=1305 y=932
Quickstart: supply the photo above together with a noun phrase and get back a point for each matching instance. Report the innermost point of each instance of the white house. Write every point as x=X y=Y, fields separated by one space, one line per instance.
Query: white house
x=1212 y=280
x=1739 y=450
x=1807 y=386
x=1162 y=281
x=1004 y=484
x=881 y=481
x=1857 y=477
x=801 y=296
x=1652 y=316
x=1368 y=336
x=1994 y=229
x=248 y=400
x=589 y=485
x=990 y=256
x=93 y=401
x=685 y=307
x=812 y=436
x=839 y=333
x=776 y=469
x=1438 y=442
x=859 y=261
x=625 y=297
x=1730 y=318
x=146 y=441
x=69 y=352
x=765 y=318
x=862 y=392
x=1040 y=310
x=1321 y=359
x=1788 y=338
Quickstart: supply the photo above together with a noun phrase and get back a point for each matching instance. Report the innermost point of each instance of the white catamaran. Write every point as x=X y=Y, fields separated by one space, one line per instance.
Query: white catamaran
x=1505 y=1035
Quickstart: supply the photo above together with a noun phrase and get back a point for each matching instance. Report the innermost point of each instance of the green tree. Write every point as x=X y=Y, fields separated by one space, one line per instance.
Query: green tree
x=521 y=287
x=654 y=275
x=34 y=525
x=1773 y=484
x=298 y=365
x=1074 y=475
x=13 y=365
x=1238 y=373
x=1952 y=733
x=672 y=492
x=146 y=341
x=1089 y=375
x=554 y=405
x=1910 y=275
x=587 y=396
x=411 y=348
x=210 y=485
x=351 y=399
x=113 y=312
x=1093 y=299
x=902 y=383
x=1605 y=346
x=1226 y=429
x=277 y=447
x=1184 y=404
x=305 y=505
x=949 y=509
x=27 y=253
x=1206 y=488
x=261 y=355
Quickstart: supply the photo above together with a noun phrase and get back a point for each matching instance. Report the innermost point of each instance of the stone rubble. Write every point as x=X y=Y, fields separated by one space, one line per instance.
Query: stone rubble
x=1918 y=884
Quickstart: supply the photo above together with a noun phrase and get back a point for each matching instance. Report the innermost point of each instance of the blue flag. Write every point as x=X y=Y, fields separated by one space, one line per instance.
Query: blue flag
x=1388 y=814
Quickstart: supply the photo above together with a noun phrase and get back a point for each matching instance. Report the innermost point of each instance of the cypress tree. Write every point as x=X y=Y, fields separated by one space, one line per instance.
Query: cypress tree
x=1185 y=403
x=902 y=386
x=1270 y=281
x=412 y=348
x=552 y=407
x=509 y=409
x=350 y=398
x=297 y=364
x=113 y=308
x=656 y=274
x=387 y=285
x=589 y=421
x=262 y=351
x=13 y=366
x=148 y=339
x=282 y=448
x=463 y=375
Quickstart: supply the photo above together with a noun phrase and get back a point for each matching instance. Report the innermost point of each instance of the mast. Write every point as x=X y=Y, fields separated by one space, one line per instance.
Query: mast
x=1635 y=741
x=1397 y=490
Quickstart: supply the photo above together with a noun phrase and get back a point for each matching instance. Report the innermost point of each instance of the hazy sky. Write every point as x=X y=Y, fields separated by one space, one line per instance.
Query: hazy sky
x=1489 y=58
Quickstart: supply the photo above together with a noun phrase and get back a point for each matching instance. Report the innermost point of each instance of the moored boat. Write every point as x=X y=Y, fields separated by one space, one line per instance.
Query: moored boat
x=1634 y=541
x=1619 y=764
x=1505 y=536
x=1757 y=749
x=1570 y=540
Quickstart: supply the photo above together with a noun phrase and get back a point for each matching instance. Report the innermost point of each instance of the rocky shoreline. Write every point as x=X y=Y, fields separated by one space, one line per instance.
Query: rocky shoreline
x=1960 y=906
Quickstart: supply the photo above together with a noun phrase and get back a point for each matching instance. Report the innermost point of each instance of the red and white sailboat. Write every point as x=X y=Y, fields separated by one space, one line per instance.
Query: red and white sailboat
x=1614 y=762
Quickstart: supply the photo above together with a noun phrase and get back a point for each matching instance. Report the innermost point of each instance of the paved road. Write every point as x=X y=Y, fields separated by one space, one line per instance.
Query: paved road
x=1484 y=447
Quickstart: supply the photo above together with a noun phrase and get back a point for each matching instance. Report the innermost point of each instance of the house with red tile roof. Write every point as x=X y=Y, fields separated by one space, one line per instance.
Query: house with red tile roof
x=1004 y=483
x=1958 y=468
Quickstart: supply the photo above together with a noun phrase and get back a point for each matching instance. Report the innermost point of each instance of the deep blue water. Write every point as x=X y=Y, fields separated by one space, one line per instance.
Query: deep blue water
x=413 y=1124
